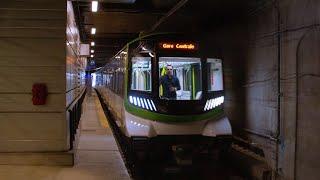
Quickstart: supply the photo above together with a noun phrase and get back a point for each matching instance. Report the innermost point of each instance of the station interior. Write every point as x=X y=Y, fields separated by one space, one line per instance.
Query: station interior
x=159 y=89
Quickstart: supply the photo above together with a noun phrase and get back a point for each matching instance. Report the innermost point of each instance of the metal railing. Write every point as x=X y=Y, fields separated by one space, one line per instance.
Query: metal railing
x=75 y=111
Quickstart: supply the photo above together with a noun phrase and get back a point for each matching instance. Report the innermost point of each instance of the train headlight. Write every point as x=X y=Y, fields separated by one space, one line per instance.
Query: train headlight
x=130 y=99
x=212 y=103
x=135 y=101
x=138 y=100
x=144 y=103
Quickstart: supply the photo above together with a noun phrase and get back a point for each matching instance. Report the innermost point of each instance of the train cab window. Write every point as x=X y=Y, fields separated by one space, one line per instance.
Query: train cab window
x=141 y=74
x=215 y=77
x=180 y=78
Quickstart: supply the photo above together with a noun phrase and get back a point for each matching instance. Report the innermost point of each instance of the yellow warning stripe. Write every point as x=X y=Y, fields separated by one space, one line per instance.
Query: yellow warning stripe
x=102 y=118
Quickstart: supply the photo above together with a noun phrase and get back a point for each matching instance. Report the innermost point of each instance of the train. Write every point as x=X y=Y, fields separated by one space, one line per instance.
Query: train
x=132 y=86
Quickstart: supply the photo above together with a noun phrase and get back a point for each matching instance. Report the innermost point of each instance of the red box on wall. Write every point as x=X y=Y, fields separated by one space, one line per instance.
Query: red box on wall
x=39 y=93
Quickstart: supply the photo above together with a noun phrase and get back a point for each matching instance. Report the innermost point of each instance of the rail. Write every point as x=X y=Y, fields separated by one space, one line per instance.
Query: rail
x=75 y=111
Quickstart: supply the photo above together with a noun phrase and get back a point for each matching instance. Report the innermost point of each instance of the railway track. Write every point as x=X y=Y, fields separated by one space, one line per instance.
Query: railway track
x=122 y=142
x=145 y=160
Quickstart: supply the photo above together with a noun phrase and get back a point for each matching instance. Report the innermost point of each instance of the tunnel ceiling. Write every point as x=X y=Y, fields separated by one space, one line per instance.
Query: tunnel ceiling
x=119 y=21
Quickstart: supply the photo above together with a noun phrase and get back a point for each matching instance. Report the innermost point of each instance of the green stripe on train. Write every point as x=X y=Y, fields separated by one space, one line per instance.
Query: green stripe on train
x=157 y=116
x=154 y=116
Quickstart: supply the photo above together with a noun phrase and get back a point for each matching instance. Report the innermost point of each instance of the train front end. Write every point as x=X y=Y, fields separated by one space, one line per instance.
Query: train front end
x=173 y=90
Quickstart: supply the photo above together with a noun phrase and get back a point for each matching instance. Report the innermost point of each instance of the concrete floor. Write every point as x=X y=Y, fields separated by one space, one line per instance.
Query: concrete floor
x=96 y=153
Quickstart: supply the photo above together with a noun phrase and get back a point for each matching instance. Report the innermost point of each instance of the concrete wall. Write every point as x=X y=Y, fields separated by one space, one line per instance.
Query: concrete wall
x=286 y=31
x=308 y=103
x=300 y=71
x=33 y=50
x=32 y=43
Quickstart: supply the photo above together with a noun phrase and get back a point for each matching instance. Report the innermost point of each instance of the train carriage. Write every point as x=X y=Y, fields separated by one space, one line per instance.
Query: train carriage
x=130 y=86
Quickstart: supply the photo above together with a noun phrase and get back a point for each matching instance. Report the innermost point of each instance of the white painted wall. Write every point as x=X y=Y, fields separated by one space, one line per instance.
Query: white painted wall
x=33 y=50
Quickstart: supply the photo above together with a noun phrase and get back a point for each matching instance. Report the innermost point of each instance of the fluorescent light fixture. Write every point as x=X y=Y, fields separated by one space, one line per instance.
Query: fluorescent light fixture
x=142 y=103
x=93 y=30
x=92 y=43
x=135 y=101
x=150 y=54
x=92 y=55
x=94 y=6
x=138 y=100
x=206 y=106
x=149 y=104
x=92 y=51
x=154 y=107
x=215 y=102
x=146 y=104
x=212 y=103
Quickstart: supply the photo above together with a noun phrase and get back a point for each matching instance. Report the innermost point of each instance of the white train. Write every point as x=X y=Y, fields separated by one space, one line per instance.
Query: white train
x=132 y=86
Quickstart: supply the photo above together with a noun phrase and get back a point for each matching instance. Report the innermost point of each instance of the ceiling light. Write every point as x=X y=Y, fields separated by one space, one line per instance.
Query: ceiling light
x=93 y=30
x=92 y=51
x=92 y=55
x=94 y=6
x=92 y=43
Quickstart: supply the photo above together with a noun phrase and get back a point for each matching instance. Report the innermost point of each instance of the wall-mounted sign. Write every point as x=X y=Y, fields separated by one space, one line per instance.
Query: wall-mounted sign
x=178 y=46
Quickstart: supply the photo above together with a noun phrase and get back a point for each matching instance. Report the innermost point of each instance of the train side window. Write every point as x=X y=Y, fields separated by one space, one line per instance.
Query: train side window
x=141 y=74
x=215 y=76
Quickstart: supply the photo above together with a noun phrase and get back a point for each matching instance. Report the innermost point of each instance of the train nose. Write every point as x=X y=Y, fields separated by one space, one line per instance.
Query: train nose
x=217 y=127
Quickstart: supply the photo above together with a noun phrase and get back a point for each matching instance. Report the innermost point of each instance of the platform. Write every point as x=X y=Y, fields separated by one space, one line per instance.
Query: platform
x=96 y=153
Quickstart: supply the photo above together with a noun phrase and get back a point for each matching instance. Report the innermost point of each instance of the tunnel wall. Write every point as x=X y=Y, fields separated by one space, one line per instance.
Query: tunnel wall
x=33 y=50
x=268 y=56
x=304 y=130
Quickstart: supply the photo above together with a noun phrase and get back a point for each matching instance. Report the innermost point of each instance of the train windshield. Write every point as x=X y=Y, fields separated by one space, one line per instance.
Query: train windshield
x=215 y=79
x=180 y=78
x=141 y=74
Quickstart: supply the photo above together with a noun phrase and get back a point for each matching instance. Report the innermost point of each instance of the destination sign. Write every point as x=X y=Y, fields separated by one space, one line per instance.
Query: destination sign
x=181 y=46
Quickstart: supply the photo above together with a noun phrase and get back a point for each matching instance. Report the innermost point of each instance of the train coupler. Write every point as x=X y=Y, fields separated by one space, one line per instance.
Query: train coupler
x=183 y=154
